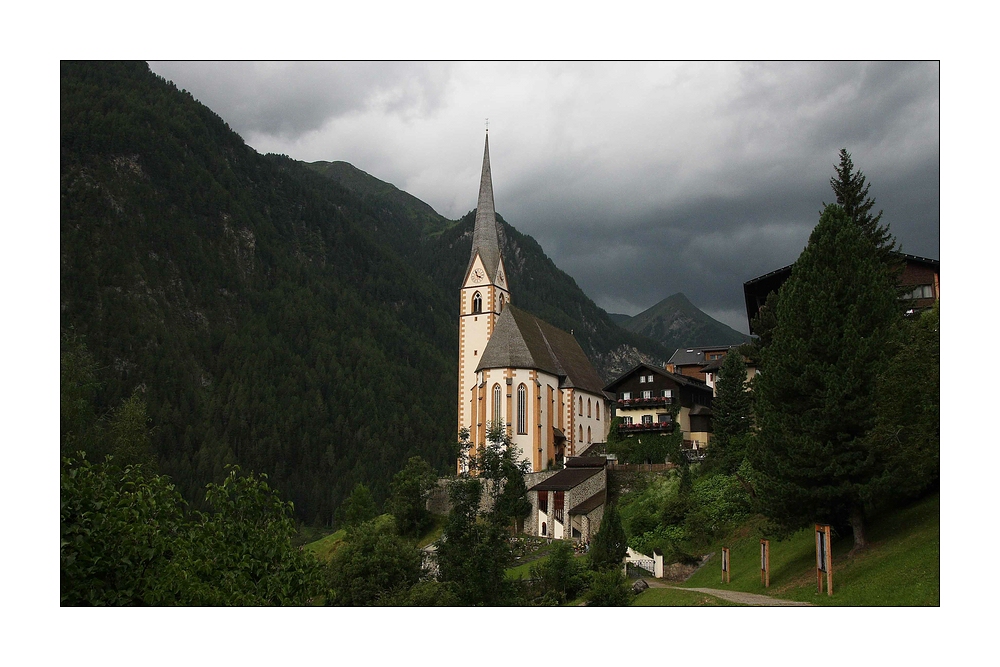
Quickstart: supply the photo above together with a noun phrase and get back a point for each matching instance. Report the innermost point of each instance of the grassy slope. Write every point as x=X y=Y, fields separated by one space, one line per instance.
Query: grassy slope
x=901 y=567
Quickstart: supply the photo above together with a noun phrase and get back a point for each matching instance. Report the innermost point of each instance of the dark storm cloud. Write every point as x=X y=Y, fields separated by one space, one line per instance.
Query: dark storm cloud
x=291 y=99
x=638 y=179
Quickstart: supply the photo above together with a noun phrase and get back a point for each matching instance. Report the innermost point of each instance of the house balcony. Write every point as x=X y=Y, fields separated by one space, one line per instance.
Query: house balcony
x=648 y=427
x=656 y=401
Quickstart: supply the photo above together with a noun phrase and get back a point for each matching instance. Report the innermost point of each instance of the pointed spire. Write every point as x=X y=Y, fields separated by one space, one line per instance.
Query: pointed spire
x=485 y=240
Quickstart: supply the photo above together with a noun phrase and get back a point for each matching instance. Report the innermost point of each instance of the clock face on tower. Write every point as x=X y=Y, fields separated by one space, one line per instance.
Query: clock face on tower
x=500 y=276
x=478 y=274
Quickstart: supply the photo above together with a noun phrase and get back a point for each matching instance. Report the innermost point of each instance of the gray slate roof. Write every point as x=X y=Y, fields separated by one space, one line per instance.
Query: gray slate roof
x=484 y=236
x=521 y=340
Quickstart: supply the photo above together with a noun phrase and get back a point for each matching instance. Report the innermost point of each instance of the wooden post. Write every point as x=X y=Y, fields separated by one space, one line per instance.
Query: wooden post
x=765 y=563
x=824 y=558
x=725 y=565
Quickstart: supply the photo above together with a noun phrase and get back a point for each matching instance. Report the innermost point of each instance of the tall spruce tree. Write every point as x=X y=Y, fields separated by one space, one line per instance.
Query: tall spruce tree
x=815 y=397
x=609 y=545
x=732 y=415
x=852 y=194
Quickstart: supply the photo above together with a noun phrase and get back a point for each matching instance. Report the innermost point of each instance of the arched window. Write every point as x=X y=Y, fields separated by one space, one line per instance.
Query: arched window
x=477 y=303
x=501 y=303
x=581 y=434
x=598 y=411
x=497 y=394
x=588 y=435
x=522 y=410
x=588 y=407
x=581 y=406
x=543 y=528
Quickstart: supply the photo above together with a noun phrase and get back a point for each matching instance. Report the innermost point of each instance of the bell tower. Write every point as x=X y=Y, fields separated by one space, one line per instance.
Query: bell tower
x=484 y=294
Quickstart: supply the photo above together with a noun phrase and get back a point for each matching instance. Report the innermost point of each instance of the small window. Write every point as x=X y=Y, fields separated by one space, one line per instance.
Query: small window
x=598 y=411
x=543 y=528
x=663 y=418
x=626 y=395
x=627 y=421
x=647 y=394
x=668 y=393
x=642 y=378
x=522 y=416
x=649 y=378
x=581 y=409
x=477 y=303
x=588 y=435
x=501 y=303
x=497 y=404
x=588 y=408
x=647 y=419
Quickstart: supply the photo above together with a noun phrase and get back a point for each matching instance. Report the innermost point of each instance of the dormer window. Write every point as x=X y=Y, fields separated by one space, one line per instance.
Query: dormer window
x=477 y=303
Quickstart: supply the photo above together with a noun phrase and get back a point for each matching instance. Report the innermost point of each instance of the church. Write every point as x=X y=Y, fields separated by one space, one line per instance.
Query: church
x=516 y=369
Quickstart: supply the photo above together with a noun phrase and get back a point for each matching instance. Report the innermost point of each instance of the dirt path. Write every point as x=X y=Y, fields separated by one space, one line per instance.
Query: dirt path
x=738 y=597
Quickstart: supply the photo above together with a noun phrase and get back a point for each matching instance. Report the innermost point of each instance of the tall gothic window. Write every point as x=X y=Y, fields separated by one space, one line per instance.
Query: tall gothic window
x=477 y=303
x=581 y=408
x=588 y=435
x=497 y=403
x=598 y=411
x=522 y=405
x=588 y=407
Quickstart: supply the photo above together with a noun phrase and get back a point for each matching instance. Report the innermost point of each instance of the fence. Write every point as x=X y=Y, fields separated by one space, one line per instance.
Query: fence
x=641 y=467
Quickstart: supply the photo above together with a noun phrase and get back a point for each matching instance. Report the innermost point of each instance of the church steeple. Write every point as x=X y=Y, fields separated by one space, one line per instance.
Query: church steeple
x=485 y=241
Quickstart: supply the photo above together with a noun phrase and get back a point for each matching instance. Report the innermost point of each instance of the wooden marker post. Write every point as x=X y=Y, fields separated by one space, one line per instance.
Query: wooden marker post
x=725 y=565
x=824 y=558
x=765 y=563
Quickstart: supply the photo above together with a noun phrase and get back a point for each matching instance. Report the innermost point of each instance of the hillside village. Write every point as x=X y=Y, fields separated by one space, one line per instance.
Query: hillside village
x=271 y=363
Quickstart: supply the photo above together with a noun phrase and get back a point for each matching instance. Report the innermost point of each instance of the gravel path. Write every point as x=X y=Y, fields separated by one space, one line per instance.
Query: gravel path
x=740 y=597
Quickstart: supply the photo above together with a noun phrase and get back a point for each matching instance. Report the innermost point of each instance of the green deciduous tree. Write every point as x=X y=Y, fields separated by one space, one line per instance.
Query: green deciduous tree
x=609 y=588
x=358 y=508
x=407 y=501
x=815 y=397
x=127 y=538
x=375 y=566
x=560 y=577
x=475 y=551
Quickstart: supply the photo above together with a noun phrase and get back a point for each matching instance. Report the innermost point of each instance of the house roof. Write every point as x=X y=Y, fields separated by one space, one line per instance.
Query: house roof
x=566 y=479
x=682 y=380
x=521 y=340
x=693 y=356
x=586 y=462
x=591 y=503
x=485 y=241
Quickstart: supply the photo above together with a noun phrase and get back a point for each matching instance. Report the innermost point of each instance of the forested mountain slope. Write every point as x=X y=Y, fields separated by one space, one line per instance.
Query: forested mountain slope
x=269 y=315
x=441 y=249
x=247 y=298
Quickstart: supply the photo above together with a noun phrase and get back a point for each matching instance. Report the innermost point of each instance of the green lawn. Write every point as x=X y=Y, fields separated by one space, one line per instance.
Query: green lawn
x=669 y=597
x=325 y=547
x=901 y=567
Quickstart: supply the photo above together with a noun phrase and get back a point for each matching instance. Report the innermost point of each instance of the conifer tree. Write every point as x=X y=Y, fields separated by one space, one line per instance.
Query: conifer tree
x=815 y=396
x=731 y=414
x=609 y=544
x=852 y=194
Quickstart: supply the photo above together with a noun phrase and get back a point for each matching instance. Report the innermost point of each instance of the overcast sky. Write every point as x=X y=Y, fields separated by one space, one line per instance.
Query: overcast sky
x=638 y=179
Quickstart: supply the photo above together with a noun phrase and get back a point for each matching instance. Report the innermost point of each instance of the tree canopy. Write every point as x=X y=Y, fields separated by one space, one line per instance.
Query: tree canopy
x=817 y=389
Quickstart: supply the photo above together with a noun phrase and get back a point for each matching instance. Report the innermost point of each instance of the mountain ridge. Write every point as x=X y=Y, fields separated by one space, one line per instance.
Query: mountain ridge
x=675 y=322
